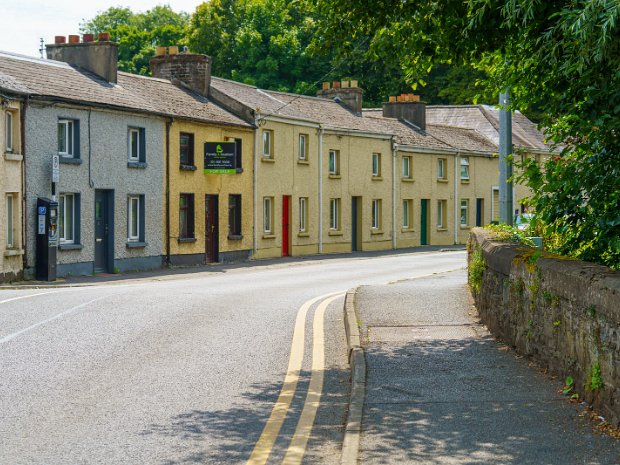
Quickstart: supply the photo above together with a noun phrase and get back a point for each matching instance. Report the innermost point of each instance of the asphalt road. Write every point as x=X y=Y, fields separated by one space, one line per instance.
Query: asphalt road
x=182 y=369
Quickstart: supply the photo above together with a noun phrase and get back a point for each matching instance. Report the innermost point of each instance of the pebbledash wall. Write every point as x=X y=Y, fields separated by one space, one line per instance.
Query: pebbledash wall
x=564 y=313
x=102 y=164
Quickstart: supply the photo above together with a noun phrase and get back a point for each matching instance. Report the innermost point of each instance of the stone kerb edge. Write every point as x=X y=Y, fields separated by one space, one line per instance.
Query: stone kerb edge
x=353 y=429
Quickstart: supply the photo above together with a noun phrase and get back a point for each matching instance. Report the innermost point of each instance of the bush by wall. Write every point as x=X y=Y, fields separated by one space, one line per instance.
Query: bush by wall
x=564 y=313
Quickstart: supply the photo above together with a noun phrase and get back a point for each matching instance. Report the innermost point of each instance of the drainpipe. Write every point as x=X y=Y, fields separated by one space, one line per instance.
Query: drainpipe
x=168 y=126
x=22 y=132
x=457 y=223
x=320 y=189
x=255 y=185
x=394 y=156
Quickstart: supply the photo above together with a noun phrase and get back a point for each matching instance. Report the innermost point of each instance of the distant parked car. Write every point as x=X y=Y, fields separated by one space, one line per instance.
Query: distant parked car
x=522 y=221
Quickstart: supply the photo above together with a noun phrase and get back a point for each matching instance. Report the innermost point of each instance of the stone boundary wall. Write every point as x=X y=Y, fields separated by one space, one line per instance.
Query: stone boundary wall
x=563 y=313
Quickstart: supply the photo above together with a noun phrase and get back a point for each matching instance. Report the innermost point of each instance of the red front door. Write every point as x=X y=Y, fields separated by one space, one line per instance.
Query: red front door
x=286 y=225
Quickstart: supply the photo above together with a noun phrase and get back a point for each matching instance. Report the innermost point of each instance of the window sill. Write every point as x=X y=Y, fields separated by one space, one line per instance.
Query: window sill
x=70 y=160
x=267 y=160
x=269 y=236
x=186 y=240
x=465 y=227
x=137 y=164
x=188 y=168
x=10 y=156
x=334 y=176
x=303 y=234
x=303 y=162
x=239 y=170
x=407 y=230
x=13 y=252
x=335 y=232
x=465 y=181
x=407 y=180
x=377 y=178
x=441 y=229
x=442 y=180
x=70 y=247
x=136 y=244
x=235 y=237
x=376 y=232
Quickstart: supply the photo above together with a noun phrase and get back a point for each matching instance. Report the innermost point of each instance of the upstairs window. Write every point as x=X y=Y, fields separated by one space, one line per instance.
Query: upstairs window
x=441 y=168
x=8 y=131
x=334 y=162
x=186 y=149
x=238 y=152
x=136 y=145
x=376 y=165
x=69 y=138
x=465 y=168
x=267 y=143
x=303 y=147
x=407 y=167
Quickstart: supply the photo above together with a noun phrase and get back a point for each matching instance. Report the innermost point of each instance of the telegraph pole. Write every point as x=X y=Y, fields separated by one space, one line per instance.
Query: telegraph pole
x=505 y=164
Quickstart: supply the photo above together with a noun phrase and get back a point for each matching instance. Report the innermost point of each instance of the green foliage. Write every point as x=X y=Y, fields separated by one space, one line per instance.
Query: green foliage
x=477 y=266
x=559 y=59
x=504 y=232
x=595 y=379
x=137 y=34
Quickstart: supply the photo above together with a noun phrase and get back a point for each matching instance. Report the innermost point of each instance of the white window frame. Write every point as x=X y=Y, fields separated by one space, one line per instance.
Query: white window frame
x=406 y=167
x=334 y=214
x=407 y=206
x=376 y=214
x=333 y=163
x=268 y=215
x=131 y=133
x=69 y=135
x=303 y=147
x=464 y=208
x=267 y=143
x=441 y=168
x=10 y=217
x=303 y=214
x=62 y=206
x=441 y=205
x=131 y=200
x=8 y=131
x=465 y=166
x=376 y=165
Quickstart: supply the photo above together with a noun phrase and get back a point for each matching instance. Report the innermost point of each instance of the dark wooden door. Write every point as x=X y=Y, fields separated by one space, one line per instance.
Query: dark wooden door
x=102 y=232
x=356 y=224
x=424 y=222
x=479 y=212
x=211 y=229
x=286 y=226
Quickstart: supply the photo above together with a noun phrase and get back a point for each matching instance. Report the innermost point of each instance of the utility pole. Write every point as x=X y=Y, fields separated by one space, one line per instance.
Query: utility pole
x=505 y=164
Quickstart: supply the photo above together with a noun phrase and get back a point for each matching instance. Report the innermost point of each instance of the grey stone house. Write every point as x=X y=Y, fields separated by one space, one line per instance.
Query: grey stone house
x=109 y=130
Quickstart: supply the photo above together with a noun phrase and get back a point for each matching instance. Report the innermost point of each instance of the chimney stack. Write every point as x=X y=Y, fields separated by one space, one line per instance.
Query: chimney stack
x=406 y=107
x=347 y=93
x=192 y=69
x=99 y=58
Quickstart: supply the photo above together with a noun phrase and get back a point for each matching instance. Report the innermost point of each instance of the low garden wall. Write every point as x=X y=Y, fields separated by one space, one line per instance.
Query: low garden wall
x=563 y=313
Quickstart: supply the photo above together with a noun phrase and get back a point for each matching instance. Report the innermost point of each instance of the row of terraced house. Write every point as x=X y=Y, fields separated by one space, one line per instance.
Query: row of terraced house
x=310 y=175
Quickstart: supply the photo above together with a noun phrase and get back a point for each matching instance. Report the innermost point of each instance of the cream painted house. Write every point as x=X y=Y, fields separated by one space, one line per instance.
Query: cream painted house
x=11 y=187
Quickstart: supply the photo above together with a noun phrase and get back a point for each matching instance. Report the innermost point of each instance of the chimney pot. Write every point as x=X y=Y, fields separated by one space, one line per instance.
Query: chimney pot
x=392 y=98
x=104 y=37
x=88 y=38
x=173 y=50
x=336 y=85
x=160 y=51
x=344 y=84
x=325 y=85
x=59 y=39
x=416 y=98
x=353 y=83
x=343 y=93
x=73 y=39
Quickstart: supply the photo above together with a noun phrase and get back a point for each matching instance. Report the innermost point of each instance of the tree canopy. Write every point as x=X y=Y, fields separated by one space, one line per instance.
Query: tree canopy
x=560 y=57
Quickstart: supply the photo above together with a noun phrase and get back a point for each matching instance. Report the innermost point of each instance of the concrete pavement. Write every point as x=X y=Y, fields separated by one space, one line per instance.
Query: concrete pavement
x=441 y=390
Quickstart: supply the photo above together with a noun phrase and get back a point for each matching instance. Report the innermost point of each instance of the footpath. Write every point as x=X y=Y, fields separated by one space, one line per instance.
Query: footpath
x=439 y=389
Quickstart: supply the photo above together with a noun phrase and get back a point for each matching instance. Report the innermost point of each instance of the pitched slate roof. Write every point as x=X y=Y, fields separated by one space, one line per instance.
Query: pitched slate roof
x=485 y=120
x=56 y=80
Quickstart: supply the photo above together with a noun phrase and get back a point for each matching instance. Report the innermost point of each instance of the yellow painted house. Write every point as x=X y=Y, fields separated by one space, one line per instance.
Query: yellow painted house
x=11 y=187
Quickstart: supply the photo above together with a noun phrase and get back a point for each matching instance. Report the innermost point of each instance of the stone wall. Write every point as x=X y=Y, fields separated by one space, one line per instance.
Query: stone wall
x=563 y=313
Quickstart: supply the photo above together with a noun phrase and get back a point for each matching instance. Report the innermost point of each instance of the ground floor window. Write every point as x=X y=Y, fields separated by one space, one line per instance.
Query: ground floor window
x=464 y=212
x=334 y=214
x=10 y=228
x=268 y=215
x=135 y=218
x=186 y=216
x=303 y=214
x=442 y=214
x=67 y=213
x=376 y=214
x=234 y=215
x=407 y=213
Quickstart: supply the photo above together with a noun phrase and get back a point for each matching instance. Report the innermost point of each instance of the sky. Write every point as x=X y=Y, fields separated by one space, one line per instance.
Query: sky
x=24 y=22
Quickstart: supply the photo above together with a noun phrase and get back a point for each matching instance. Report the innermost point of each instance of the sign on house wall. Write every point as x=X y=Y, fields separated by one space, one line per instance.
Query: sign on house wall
x=219 y=158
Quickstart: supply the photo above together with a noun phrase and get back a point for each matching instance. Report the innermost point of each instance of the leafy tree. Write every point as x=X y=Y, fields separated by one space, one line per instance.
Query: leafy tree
x=560 y=57
x=137 y=34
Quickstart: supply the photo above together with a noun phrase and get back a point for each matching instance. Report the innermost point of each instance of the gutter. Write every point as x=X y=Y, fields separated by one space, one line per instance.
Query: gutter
x=255 y=185
x=22 y=133
x=457 y=223
x=167 y=206
x=394 y=158
x=320 y=189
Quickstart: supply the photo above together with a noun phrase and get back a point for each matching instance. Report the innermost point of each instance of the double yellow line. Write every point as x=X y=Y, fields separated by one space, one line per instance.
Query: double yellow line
x=297 y=447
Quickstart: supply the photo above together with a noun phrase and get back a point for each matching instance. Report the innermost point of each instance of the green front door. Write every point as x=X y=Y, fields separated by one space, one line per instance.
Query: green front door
x=424 y=222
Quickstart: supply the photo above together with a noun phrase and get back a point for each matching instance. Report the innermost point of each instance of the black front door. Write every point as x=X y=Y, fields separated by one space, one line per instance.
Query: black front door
x=103 y=231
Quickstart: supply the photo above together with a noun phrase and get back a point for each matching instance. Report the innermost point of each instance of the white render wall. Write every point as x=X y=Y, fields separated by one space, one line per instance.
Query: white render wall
x=108 y=168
